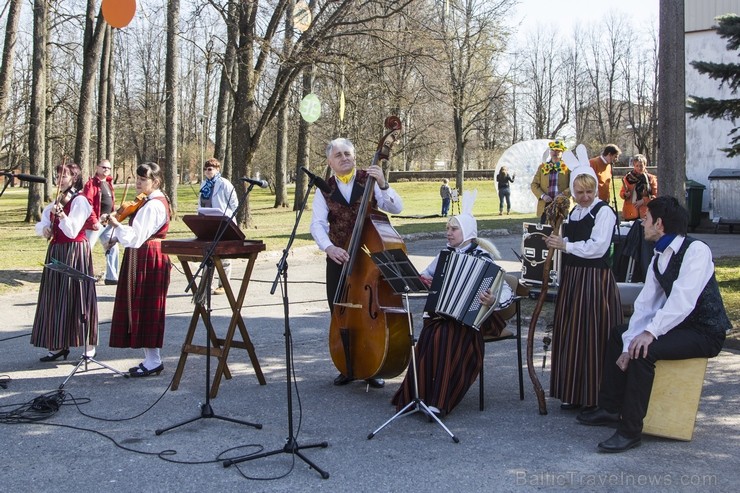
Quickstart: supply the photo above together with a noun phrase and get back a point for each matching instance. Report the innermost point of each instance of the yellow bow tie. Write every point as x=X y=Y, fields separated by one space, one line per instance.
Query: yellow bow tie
x=346 y=178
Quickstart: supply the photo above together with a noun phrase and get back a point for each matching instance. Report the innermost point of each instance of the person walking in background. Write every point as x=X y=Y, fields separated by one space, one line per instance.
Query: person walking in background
x=66 y=309
x=216 y=192
x=99 y=191
x=446 y=193
x=638 y=188
x=679 y=314
x=602 y=166
x=139 y=311
x=551 y=178
x=503 y=178
x=588 y=302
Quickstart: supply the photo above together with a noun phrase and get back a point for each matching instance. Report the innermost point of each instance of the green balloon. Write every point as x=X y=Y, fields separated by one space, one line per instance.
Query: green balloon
x=310 y=108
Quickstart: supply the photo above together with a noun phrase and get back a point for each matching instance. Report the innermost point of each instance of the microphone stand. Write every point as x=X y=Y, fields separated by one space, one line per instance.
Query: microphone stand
x=206 y=411
x=291 y=446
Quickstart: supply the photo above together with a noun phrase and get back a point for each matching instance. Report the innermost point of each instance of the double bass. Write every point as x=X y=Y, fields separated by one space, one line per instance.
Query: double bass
x=369 y=332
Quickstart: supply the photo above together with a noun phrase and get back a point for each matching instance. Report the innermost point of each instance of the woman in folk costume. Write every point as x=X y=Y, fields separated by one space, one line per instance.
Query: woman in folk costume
x=449 y=354
x=588 y=303
x=551 y=178
x=139 y=311
x=66 y=308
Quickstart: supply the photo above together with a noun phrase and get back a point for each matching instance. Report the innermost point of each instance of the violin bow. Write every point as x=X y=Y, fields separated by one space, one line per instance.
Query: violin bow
x=556 y=213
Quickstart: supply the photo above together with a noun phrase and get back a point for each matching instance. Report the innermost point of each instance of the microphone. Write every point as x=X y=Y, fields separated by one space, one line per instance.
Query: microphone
x=318 y=181
x=25 y=177
x=252 y=181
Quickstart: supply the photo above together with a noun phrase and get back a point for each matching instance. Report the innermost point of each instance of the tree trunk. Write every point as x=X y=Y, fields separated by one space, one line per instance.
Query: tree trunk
x=92 y=42
x=303 y=151
x=37 y=126
x=172 y=102
x=281 y=147
x=110 y=127
x=103 y=93
x=6 y=70
x=671 y=98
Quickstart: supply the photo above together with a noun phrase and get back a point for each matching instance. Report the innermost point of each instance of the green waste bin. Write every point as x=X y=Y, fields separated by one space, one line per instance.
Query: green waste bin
x=694 y=194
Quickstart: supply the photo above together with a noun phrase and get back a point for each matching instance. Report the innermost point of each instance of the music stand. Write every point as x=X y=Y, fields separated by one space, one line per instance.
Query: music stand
x=219 y=227
x=403 y=277
x=75 y=275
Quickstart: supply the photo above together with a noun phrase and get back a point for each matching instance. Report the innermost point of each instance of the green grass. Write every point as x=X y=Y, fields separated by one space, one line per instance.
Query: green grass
x=23 y=251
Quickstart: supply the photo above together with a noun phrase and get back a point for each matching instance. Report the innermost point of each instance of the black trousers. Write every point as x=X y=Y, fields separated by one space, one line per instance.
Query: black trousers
x=628 y=392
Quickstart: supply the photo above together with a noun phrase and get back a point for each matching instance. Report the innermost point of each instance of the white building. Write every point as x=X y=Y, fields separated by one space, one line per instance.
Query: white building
x=704 y=136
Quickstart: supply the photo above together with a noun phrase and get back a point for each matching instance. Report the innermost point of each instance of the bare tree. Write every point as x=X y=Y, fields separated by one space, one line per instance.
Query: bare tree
x=91 y=46
x=281 y=147
x=172 y=102
x=6 y=69
x=37 y=123
x=103 y=93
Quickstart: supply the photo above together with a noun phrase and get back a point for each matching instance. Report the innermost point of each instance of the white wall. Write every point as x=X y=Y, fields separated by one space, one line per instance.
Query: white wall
x=705 y=136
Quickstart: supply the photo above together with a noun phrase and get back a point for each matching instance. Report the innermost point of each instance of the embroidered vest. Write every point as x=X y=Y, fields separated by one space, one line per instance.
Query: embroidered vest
x=342 y=215
x=581 y=231
x=709 y=316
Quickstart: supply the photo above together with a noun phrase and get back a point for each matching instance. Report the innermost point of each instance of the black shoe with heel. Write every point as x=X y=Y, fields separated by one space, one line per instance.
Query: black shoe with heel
x=142 y=371
x=55 y=356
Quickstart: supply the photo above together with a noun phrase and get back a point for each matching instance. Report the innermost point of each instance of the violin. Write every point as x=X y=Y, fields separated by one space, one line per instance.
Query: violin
x=63 y=198
x=125 y=210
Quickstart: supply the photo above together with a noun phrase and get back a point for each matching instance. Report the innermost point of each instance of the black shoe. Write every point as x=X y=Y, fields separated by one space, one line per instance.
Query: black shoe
x=343 y=380
x=111 y=282
x=55 y=356
x=619 y=443
x=141 y=371
x=376 y=383
x=569 y=407
x=597 y=417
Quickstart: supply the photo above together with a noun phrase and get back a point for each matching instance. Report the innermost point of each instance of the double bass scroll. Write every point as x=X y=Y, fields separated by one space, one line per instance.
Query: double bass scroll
x=368 y=336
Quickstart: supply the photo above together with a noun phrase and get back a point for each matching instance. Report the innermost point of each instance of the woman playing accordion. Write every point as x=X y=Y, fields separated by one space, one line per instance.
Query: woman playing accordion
x=449 y=353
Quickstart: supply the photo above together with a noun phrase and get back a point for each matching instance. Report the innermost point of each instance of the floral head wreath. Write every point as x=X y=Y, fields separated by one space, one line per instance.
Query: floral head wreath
x=558 y=145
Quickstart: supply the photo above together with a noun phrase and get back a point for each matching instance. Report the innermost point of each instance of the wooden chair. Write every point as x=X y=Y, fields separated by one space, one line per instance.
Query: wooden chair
x=513 y=310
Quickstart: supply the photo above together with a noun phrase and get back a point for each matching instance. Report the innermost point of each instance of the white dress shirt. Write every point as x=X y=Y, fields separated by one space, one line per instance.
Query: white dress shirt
x=148 y=220
x=601 y=234
x=658 y=314
x=72 y=223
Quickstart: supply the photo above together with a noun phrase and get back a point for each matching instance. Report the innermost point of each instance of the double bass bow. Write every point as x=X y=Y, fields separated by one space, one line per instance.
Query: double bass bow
x=369 y=332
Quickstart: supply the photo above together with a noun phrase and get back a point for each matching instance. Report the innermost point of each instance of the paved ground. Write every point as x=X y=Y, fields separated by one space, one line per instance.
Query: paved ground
x=107 y=442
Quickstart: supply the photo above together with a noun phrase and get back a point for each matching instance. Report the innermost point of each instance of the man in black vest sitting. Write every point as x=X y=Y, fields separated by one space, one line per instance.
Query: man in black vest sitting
x=678 y=315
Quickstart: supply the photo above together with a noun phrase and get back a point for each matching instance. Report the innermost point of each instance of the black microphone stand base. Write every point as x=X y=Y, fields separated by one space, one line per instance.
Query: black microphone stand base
x=84 y=359
x=206 y=411
x=291 y=447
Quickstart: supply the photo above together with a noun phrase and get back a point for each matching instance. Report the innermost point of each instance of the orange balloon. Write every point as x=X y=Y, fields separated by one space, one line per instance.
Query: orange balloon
x=118 y=13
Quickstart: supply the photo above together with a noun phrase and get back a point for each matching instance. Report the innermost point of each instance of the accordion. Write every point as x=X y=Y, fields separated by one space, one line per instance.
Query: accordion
x=457 y=284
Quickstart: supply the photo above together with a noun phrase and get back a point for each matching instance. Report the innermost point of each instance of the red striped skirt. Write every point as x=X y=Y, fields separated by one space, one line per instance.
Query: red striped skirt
x=449 y=356
x=66 y=307
x=141 y=296
x=588 y=306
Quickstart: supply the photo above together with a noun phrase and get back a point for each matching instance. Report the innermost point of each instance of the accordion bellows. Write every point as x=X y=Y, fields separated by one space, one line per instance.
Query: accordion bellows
x=457 y=284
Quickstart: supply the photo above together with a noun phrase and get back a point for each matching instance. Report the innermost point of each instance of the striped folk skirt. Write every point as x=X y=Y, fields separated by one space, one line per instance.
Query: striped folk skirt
x=141 y=296
x=588 y=306
x=66 y=308
x=449 y=356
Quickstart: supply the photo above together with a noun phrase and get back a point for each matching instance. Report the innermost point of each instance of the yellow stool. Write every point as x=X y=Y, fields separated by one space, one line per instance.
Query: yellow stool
x=674 y=400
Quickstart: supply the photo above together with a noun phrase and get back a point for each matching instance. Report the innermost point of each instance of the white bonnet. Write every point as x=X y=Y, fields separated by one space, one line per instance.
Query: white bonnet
x=578 y=165
x=468 y=223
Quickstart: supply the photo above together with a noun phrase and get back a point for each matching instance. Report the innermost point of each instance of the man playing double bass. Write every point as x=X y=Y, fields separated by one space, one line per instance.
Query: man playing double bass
x=335 y=212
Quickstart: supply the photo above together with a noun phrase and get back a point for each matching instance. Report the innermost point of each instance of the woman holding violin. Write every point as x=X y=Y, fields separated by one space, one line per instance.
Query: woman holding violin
x=139 y=311
x=335 y=212
x=65 y=309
